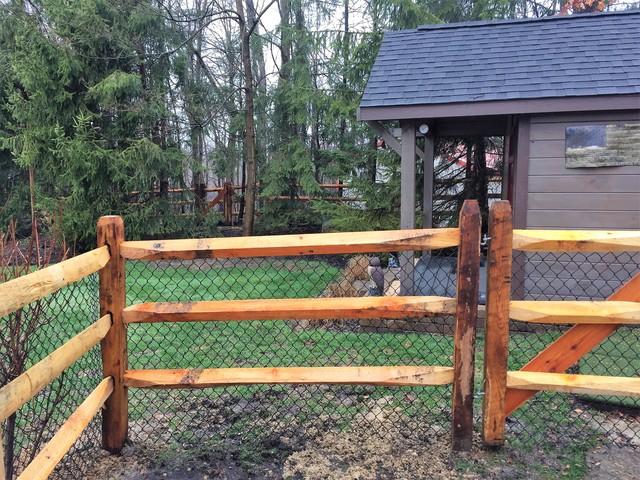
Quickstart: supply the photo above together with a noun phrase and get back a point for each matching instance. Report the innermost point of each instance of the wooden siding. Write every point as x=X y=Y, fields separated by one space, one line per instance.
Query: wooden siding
x=558 y=197
x=576 y=198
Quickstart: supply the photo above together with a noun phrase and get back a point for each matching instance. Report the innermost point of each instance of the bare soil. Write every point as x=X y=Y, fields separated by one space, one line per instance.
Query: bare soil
x=374 y=447
x=611 y=462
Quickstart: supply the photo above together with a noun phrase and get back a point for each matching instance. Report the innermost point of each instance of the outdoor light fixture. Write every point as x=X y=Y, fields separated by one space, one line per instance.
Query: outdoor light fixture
x=423 y=128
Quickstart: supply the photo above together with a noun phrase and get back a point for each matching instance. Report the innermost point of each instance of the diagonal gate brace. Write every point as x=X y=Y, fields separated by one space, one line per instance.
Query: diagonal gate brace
x=574 y=344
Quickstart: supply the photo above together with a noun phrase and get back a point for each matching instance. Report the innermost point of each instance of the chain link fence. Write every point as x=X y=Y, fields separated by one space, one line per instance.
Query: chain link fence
x=29 y=335
x=257 y=427
x=562 y=421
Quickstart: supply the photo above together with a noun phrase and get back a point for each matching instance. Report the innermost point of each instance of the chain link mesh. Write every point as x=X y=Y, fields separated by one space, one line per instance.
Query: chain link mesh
x=268 y=422
x=56 y=318
x=258 y=426
x=557 y=420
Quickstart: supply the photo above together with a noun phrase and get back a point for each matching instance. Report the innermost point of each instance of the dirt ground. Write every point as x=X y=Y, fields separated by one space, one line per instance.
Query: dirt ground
x=349 y=456
x=610 y=462
x=375 y=446
x=361 y=453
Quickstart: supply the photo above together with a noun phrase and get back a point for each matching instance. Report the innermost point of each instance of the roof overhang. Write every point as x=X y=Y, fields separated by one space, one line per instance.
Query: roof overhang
x=502 y=107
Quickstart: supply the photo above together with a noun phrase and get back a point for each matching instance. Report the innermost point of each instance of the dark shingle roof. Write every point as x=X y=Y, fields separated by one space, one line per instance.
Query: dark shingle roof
x=578 y=55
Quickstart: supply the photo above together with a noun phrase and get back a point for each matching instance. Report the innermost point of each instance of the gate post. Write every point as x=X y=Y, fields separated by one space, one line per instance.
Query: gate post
x=110 y=230
x=468 y=279
x=496 y=342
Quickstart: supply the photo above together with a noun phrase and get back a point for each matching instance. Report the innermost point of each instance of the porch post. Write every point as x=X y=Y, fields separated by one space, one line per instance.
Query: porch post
x=427 y=194
x=407 y=201
x=427 y=182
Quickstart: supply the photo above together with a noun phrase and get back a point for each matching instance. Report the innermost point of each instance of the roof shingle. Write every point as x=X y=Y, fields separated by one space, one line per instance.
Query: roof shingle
x=578 y=55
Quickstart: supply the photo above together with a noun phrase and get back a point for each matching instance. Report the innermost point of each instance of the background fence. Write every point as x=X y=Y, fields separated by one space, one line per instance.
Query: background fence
x=258 y=426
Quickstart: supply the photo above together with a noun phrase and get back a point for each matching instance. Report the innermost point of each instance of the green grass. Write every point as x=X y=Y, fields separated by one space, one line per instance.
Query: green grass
x=258 y=343
x=262 y=343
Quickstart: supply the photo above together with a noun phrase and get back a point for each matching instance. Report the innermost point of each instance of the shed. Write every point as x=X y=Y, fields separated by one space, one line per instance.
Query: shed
x=563 y=91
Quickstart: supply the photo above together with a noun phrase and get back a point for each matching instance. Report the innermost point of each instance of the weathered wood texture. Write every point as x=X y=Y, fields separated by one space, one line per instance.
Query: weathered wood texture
x=468 y=278
x=290 y=309
x=293 y=245
x=110 y=231
x=19 y=391
x=571 y=346
x=578 y=312
x=21 y=291
x=203 y=378
x=496 y=346
x=47 y=459
x=562 y=382
x=578 y=197
x=585 y=241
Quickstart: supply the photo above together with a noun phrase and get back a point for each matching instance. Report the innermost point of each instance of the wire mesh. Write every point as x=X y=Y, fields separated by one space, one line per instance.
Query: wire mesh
x=557 y=420
x=258 y=426
x=276 y=420
x=55 y=319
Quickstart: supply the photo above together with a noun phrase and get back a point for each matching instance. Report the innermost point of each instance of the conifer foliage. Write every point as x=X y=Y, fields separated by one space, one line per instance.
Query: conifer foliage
x=136 y=107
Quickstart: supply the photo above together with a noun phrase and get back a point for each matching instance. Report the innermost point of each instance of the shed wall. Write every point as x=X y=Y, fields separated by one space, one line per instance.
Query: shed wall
x=583 y=198
x=559 y=197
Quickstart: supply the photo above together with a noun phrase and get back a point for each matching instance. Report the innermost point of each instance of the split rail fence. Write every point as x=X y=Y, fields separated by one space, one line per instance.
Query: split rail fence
x=592 y=321
x=110 y=330
x=18 y=293
x=505 y=391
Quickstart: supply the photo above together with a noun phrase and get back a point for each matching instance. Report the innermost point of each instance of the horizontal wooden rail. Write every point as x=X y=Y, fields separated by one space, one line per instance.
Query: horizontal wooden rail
x=20 y=390
x=575 y=312
x=576 y=240
x=21 y=291
x=44 y=463
x=202 y=378
x=290 y=309
x=563 y=382
x=292 y=245
x=234 y=187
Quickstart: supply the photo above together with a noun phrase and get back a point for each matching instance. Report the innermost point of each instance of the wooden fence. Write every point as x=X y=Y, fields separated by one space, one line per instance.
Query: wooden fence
x=464 y=306
x=110 y=330
x=505 y=390
x=16 y=294
x=593 y=321
x=229 y=202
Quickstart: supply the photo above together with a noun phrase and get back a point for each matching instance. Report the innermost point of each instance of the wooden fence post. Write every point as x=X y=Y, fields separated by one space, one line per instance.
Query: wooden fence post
x=114 y=345
x=496 y=343
x=468 y=278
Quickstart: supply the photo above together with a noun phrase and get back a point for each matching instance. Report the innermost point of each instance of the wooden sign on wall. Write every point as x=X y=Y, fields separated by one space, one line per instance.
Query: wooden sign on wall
x=602 y=145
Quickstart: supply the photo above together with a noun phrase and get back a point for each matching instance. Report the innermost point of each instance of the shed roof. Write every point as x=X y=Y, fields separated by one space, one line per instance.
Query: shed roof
x=552 y=57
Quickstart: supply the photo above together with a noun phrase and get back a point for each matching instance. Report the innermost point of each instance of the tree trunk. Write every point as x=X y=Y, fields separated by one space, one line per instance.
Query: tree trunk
x=250 y=138
x=345 y=62
x=260 y=82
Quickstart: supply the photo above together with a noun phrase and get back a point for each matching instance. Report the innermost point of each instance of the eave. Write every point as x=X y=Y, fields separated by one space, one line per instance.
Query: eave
x=502 y=107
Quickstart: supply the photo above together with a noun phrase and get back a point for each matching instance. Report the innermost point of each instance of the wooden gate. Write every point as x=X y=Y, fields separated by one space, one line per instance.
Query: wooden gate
x=593 y=321
x=464 y=306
